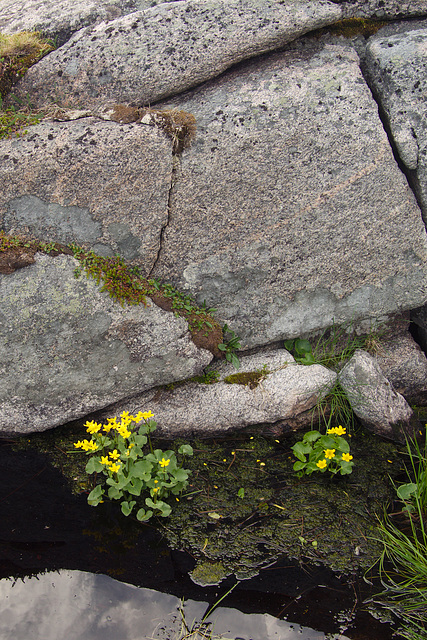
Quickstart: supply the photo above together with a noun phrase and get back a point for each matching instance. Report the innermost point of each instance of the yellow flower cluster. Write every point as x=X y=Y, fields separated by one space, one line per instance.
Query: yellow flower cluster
x=86 y=445
x=126 y=419
x=339 y=431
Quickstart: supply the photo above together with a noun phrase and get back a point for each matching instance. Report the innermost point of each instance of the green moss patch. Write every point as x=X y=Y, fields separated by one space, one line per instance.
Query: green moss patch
x=247 y=378
x=18 y=52
x=123 y=283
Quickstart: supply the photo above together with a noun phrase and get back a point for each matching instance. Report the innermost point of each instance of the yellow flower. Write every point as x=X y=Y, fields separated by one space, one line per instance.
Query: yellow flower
x=114 y=467
x=147 y=415
x=125 y=433
x=164 y=463
x=339 y=431
x=92 y=427
x=139 y=416
x=88 y=445
x=114 y=454
x=105 y=460
x=124 y=414
x=347 y=457
x=78 y=444
x=322 y=464
x=330 y=453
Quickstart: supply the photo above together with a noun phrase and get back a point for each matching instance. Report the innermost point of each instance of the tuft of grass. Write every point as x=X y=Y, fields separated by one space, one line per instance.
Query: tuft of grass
x=18 y=52
x=403 y=561
x=24 y=43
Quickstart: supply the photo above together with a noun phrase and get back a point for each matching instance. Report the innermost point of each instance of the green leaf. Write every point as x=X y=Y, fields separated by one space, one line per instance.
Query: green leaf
x=94 y=465
x=186 y=450
x=407 y=491
x=114 y=493
x=299 y=465
x=241 y=492
x=135 y=487
x=95 y=496
x=143 y=516
x=127 y=507
x=311 y=436
x=234 y=360
x=302 y=347
x=300 y=450
x=289 y=345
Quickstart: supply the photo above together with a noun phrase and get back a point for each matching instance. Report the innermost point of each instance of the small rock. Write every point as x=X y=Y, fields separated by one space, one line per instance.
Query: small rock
x=373 y=399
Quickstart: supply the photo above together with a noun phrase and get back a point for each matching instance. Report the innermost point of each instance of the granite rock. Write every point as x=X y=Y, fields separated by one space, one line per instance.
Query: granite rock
x=396 y=66
x=100 y=184
x=67 y=349
x=373 y=398
x=291 y=208
x=162 y=51
x=59 y=20
x=286 y=389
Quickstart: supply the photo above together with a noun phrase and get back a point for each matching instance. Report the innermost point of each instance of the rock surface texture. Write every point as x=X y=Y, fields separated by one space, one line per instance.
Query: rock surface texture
x=67 y=349
x=162 y=51
x=303 y=190
x=285 y=390
x=298 y=205
x=397 y=67
x=95 y=183
x=373 y=398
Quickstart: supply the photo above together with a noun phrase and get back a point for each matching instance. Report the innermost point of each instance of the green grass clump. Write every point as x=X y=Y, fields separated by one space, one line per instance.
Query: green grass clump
x=18 y=52
x=403 y=561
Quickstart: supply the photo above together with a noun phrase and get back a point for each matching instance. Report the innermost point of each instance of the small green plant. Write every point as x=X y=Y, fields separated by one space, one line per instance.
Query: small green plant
x=414 y=494
x=301 y=350
x=317 y=452
x=403 y=563
x=116 y=451
x=230 y=346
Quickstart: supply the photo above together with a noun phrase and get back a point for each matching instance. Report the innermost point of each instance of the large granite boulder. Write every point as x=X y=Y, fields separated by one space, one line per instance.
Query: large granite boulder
x=382 y=9
x=152 y=54
x=290 y=205
x=67 y=349
x=59 y=20
x=268 y=387
x=100 y=184
x=396 y=67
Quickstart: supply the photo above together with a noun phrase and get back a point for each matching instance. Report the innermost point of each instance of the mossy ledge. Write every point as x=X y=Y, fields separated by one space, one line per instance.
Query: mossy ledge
x=123 y=283
x=250 y=379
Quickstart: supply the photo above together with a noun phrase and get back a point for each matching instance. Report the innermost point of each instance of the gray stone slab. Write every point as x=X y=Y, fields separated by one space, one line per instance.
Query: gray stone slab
x=59 y=20
x=101 y=184
x=373 y=398
x=162 y=51
x=290 y=210
x=397 y=68
x=287 y=390
x=382 y=9
x=67 y=349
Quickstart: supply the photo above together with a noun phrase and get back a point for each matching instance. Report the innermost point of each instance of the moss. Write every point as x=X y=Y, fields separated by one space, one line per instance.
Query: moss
x=18 y=52
x=179 y=126
x=123 y=283
x=352 y=27
x=247 y=378
x=208 y=573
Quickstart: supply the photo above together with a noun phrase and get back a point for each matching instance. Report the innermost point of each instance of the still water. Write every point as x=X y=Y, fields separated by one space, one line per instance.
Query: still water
x=69 y=571
x=84 y=606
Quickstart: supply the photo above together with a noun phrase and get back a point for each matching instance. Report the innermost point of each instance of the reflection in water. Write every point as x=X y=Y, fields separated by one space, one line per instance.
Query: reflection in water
x=83 y=606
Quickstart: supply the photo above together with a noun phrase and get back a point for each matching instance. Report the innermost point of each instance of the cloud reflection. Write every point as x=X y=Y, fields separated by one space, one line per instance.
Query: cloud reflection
x=75 y=605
